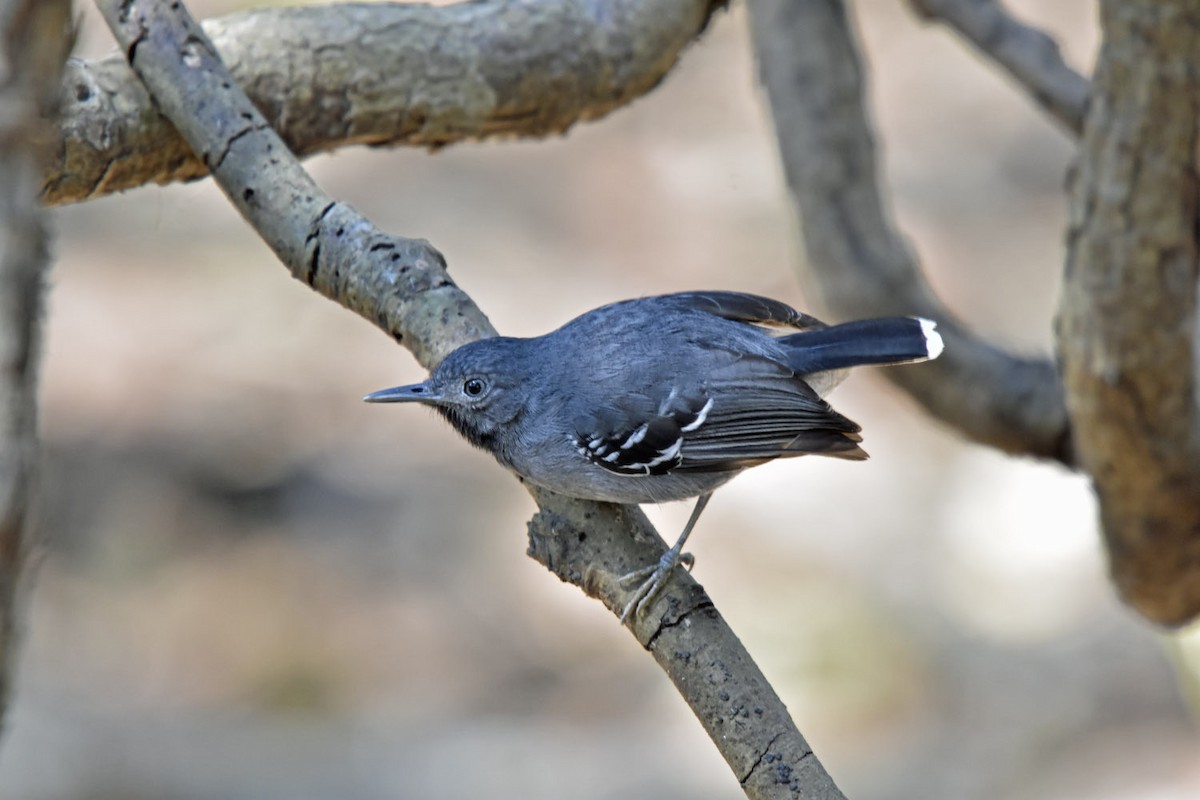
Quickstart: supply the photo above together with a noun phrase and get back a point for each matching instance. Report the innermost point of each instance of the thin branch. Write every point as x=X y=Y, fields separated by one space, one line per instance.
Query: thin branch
x=34 y=41
x=1127 y=331
x=1029 y=55
x=382 y=74
x=861 y=265
x=401 y=285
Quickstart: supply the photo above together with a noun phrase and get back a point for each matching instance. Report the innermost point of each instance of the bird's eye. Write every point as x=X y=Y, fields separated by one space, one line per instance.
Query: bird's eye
x=473 y=387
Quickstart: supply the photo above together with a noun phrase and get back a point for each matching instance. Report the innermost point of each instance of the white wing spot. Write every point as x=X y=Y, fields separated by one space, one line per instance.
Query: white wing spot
x=667 y=455
x=665 y=404
x=699 y=420
x=635 y=437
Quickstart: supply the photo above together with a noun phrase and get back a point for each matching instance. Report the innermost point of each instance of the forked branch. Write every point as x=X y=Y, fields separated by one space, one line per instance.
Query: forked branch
x=858 y=260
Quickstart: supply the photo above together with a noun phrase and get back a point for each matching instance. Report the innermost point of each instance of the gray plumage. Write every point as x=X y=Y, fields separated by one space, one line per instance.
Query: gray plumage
x=663 y=398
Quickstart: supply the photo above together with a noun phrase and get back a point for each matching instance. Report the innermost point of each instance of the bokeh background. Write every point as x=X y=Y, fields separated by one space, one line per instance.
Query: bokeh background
x=252 y=585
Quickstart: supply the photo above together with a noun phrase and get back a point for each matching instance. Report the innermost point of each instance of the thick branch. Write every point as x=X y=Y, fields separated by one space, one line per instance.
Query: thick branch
x=1127 y=330
x=382 y=74
x=401 y=285
x=861 y=265
x=691 y=642
x=1029 y=55
x=34 y=42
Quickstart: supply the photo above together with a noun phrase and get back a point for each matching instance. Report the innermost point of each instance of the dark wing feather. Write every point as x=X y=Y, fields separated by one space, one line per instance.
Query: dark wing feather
x=763 y=311
x=726 y=425
x=749 y=308
x=638 y=435
x=749 y=425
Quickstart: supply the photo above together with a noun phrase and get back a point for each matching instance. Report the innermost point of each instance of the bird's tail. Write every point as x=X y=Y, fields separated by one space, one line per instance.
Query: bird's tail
x=887 y=340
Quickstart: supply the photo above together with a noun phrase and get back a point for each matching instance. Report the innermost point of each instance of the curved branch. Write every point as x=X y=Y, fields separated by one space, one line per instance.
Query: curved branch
x=34 y=41
x=862 y=267
x=382 y=74
x=401 y=285
x=1029 y=55
x=1128 y=321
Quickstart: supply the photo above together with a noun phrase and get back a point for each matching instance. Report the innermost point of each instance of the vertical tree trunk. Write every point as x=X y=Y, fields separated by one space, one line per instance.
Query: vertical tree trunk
x=33 y=44
x=1127 y=327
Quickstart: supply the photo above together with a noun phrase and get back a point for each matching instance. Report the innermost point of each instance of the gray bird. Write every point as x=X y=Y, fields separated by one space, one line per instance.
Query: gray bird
x=663 y=398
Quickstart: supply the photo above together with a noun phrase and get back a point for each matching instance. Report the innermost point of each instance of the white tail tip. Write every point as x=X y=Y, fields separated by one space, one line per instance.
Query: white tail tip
x=933 y=339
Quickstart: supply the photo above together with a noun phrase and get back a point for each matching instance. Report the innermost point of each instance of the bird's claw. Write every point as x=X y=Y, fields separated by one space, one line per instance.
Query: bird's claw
x=652 y=580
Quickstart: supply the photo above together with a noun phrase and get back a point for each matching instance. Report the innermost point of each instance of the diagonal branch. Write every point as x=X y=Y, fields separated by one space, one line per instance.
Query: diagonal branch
x=402 y=286
x=862 y=266
x=1128 y=318
x=382 y=74
x=1028 y=55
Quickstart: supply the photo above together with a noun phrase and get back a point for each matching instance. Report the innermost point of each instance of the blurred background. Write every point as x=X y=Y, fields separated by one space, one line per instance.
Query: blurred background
x=253 y=585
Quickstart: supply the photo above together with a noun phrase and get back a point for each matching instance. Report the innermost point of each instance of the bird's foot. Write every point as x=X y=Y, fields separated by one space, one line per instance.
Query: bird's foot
x=652 y=580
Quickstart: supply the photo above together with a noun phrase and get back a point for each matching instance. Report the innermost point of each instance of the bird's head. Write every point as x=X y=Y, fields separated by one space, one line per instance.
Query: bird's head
x=478 y=388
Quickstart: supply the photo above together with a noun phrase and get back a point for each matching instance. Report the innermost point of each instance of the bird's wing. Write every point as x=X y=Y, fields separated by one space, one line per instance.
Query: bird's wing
x=723 y=425
x=764 y=420
x=749 y=308
x=640 y=434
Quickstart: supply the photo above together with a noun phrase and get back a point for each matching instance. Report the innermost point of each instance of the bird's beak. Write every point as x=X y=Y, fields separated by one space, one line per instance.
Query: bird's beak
x=413 y=393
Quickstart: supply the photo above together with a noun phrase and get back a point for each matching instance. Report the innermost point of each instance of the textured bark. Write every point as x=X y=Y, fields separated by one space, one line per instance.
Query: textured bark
x=382 y=74
x=860 y=264
x=1127 y=329
x=398 y=283
x=402 y=286
x=33 y=43
x=689 y=639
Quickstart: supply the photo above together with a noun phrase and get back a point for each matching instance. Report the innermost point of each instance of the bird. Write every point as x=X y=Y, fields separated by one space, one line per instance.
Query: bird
x=663 y=398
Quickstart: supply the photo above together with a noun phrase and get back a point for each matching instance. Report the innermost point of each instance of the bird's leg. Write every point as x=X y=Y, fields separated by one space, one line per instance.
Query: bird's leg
x=654 y=577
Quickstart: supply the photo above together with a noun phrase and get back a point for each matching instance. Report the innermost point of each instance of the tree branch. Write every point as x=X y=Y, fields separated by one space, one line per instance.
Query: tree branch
x=862 y=267
x=382 y=74
x=718 y=679
x=1028 y=55
x=34 y=41
x=401 y=285
x=1127 y=332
